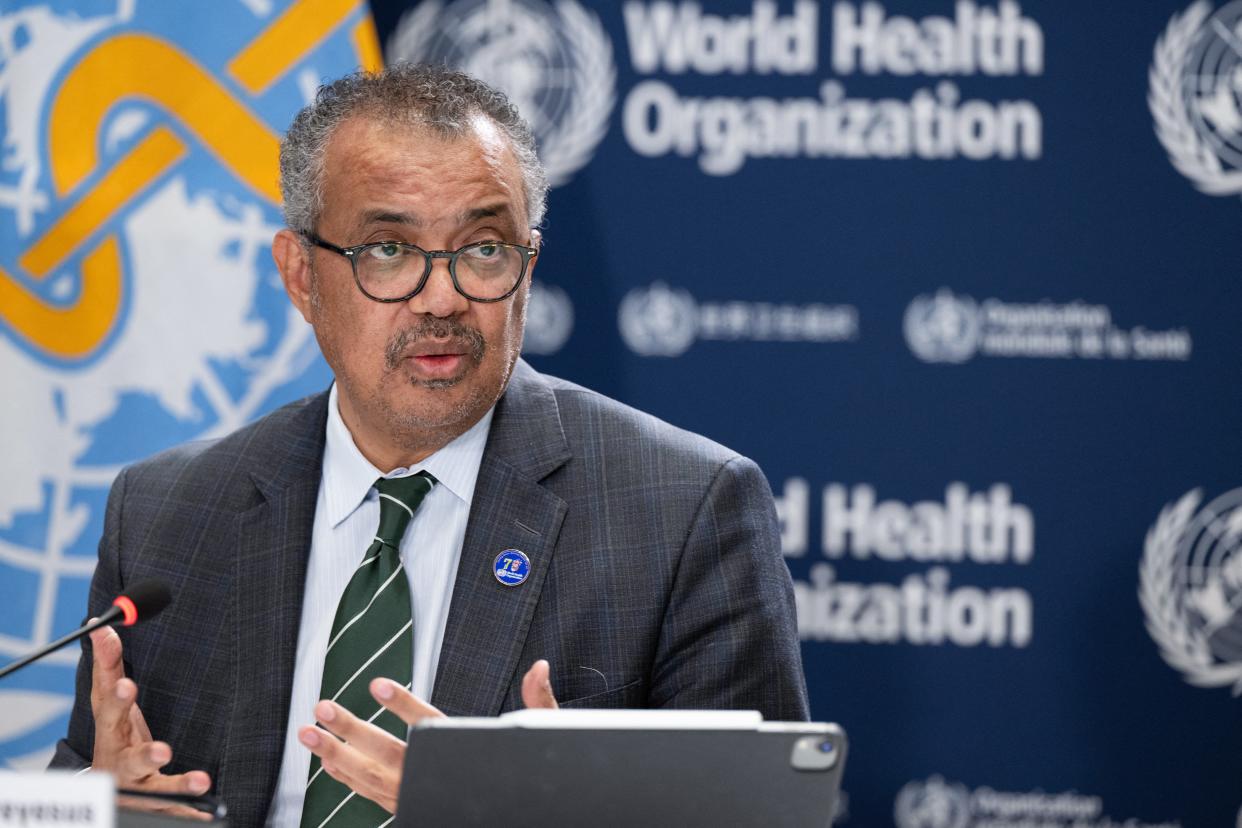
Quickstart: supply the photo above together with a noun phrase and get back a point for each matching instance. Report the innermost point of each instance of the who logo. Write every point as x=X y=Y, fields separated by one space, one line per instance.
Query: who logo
x=554 y=63
x=549 y=320
x=1190 y=588
x=942 y=328
x=138 y=303
x=1195 y=95
x=934 y=803
x=658 y=320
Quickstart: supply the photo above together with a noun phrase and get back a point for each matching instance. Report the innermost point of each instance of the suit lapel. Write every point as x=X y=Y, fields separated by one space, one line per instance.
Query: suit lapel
x=488 y=622
x=272 y=546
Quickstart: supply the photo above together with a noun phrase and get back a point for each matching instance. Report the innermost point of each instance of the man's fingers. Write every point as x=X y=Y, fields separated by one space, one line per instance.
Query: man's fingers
x=107 y=667
x=408 y=707
x=194 y=783
x=374 y=780
x=113 y=728
x=370 y=760
x=537 y=687
x=365 y=737
x=106 y=649
x=128 y=753
x=123 y=744
x=136 y=766
x=112 y=696
x=138 y=725
x=156 y=806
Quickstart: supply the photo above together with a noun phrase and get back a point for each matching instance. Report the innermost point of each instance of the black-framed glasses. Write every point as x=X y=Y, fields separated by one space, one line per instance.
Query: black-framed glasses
x=486 y=271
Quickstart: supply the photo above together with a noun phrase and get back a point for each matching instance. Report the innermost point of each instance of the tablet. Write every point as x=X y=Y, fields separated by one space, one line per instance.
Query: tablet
x=621 y=768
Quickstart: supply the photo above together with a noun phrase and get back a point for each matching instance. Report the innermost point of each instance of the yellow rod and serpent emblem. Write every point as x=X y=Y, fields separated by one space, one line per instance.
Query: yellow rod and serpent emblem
x=75 y=330
x=299 y=30
x=138 y=66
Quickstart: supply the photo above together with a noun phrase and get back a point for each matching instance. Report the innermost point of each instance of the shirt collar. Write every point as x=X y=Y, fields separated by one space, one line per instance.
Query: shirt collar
x=348 y=475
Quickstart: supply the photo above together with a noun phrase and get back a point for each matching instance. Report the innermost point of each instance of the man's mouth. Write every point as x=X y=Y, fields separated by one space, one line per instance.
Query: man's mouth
x=437 y=366
x=437 y=352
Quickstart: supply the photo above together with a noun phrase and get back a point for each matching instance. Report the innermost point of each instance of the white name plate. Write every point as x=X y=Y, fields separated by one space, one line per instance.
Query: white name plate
x=56 y=799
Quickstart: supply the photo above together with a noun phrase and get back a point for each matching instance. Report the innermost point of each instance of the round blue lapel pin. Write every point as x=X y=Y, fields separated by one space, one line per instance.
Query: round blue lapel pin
x=512 y=567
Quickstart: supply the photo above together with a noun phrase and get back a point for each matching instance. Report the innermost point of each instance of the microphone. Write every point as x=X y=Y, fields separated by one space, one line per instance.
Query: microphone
x=143 y=600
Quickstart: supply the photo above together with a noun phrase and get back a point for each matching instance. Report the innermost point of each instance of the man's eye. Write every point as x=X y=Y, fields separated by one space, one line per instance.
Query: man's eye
x=384 y=251
x=487 y=250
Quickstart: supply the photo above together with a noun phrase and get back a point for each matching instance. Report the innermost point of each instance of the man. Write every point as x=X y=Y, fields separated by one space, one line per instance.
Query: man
x=557 y=539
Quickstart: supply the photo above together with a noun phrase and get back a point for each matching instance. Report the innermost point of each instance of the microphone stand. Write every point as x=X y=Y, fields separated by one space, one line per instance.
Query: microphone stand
x=107 y=618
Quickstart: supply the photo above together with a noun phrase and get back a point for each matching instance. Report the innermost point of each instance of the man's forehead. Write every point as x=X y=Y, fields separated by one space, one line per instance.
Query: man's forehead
x=382 y=215
x=366 y=146
x=360 y=134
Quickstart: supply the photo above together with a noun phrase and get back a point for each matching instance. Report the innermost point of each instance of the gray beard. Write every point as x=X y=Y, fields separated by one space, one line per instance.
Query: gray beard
x=439 y=329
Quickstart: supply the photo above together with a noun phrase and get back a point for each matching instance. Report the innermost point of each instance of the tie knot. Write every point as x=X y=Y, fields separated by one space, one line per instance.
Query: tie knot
x=399 y=498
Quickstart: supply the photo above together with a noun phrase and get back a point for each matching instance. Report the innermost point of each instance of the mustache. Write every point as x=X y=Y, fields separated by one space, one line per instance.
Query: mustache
x=472 y=341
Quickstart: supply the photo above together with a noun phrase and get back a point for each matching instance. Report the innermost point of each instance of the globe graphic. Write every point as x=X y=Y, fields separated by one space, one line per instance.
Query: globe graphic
x=200 y=341
x=517 y=51
x=1211 y=577
x=1214 y=81
x=194 y=358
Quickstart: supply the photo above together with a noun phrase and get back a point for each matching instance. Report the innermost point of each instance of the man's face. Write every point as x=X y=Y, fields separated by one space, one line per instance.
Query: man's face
x=412 y=375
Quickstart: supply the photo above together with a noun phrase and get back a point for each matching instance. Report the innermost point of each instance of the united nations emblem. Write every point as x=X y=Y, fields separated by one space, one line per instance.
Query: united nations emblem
x=556 y=66
x=138 y=303
x=658 y=321
x=942 y=328
x=932 y=804
x=1195 y=95
x=549 y=320
x=1190 y=588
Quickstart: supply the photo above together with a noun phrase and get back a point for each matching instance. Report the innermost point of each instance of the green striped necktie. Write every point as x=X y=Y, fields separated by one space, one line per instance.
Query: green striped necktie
x=372 y=637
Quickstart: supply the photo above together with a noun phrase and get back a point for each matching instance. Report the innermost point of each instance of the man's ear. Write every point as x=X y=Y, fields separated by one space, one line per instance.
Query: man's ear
x=295 y=270
x=536 y=241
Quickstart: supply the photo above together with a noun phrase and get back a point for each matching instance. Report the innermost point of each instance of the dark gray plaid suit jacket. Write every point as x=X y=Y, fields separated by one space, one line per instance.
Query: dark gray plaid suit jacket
x=656 y=579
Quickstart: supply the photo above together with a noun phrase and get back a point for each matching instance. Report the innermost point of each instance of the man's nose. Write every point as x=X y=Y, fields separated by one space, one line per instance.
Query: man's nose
x=439 y=297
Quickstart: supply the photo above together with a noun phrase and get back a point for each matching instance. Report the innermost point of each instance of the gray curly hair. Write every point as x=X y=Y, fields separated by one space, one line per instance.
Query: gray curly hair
x=423 y=95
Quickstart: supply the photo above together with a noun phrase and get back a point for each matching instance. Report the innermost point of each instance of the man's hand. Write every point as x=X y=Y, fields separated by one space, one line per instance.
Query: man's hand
x=369 y=760
x=123 y=743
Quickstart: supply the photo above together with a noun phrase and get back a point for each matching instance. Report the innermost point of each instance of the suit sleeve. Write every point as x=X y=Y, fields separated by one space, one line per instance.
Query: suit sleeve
x=75 y=750
x=729 y=638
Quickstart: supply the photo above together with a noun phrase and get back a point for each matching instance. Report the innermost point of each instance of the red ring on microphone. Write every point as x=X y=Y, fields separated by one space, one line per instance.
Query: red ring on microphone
x=127 y=607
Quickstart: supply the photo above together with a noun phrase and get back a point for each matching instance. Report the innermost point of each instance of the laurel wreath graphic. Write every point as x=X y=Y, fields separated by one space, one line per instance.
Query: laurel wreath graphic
x=1189 y=153
x=658 y=321
x=1183 y=646
x=569 y=148
x=932 y=804
x=415 y=29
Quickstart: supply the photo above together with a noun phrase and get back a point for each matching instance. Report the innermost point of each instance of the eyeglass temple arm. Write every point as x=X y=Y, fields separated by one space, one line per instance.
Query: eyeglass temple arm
x=318 y=242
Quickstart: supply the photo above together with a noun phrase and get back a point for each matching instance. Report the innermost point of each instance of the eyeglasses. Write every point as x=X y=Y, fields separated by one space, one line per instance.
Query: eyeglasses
x=487 y=271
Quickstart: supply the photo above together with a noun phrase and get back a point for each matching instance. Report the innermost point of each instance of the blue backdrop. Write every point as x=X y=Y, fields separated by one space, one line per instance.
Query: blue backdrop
x=958 y=275
x=948 y=272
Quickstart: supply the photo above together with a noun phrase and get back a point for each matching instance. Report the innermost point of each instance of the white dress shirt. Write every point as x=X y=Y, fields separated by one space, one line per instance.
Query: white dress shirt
x=346 y=515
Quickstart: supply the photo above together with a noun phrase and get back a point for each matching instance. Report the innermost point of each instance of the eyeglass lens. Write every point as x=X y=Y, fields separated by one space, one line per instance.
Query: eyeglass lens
x=484 y=271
